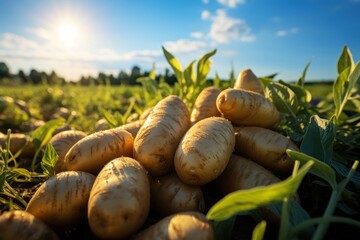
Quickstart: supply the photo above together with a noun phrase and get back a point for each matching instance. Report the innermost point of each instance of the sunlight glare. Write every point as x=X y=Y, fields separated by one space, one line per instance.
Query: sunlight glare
x=68 y=34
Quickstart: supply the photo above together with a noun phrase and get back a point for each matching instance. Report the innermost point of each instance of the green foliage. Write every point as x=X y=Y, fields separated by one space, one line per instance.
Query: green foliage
x=48 y=160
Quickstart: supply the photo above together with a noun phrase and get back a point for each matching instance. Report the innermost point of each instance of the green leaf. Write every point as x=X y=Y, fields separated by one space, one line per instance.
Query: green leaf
x=2 y=180
x=344 y=170
x=302 y=94
x=318 y=139
x=283 y=97
x=108 y=117
x=301 y=80
x=232 y=76
x=22 y=172
x=319 y=168
x=244 y=200
x=223 y=229
x=217 y=80
x=339 y=89
x=42 y=134
x=49 y=160
x=345 y=60
x=175 y=65
x=189 y=74
x=152 y=74
x=259 y=231
x=203 y=67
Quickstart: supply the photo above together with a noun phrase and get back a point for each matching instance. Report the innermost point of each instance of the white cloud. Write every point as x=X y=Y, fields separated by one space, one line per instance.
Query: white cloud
x=205 y=14
x=231 y=3
x=197 y=35
x=42 y=33
x=225 y=29
x=12 y=41
x=283 y=33
x=205 y=1
x=184 y=45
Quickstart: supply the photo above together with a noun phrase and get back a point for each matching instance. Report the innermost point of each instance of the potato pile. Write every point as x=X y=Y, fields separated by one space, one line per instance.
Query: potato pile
x=115 y=179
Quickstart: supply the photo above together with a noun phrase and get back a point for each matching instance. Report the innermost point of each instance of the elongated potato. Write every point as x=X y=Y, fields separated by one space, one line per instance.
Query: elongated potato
x=204 y=151
x=170 y=195
x=266 y=147
x=19 y=141
x=133 y=127
x=21 y=225
x=62 y=142
x=185 y=226
x=248 y=81
x=157 y=140
x=205 y=105
x=119 y=200
x=243 y=107
x=61 y=201
x=102 y=125
x=92 y=152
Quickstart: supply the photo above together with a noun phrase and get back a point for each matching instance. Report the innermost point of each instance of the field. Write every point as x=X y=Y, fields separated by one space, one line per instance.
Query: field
x=321 y=119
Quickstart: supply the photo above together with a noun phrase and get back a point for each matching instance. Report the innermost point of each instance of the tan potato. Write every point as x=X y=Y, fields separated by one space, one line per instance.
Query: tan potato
x=156 y=142
x=244 y=107
x=21 y=225
x=205 y=105
x=61 y=201
x=146 y=113
x=204 y=151
x=266 y=147
x=133 y=127
x=102 y=125
x=19 y=141
x=185 y=226
x=62 y=142
x=169 y=195
x=92 y=152
x=248 y=81
x=119 y=200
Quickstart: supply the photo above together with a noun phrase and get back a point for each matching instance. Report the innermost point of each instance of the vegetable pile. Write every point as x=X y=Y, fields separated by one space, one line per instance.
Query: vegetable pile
x=199 y=161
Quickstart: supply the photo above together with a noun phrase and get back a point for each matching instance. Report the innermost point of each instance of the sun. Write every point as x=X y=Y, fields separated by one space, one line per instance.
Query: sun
x=67 y=34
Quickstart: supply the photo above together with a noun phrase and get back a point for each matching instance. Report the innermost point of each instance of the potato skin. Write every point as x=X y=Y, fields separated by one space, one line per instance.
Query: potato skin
x=92 y=152
x=247 y=80
x=169 y=195
x=17 y=142
x=119 y=200
x=157 y=140
x=22 y=225
x=61 y=201
x=242 y=173
x=133 y=127
x=205 y=105
x=62 y=142
x=204 y=151
x=247 y=108
x=266 y=147
x=185 y=226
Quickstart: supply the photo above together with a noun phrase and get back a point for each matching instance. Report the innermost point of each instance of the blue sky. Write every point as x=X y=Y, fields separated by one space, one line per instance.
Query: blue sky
x=81 y=37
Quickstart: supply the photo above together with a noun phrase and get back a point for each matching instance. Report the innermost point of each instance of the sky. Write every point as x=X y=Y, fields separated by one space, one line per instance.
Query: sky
x=78 y=37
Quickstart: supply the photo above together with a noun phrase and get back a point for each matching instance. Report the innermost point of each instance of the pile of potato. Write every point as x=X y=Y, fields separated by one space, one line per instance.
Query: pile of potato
x=113 y=178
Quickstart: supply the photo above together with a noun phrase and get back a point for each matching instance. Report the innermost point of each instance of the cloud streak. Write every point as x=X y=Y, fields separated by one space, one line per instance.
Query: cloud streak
x=231 y=3
x=284 y=33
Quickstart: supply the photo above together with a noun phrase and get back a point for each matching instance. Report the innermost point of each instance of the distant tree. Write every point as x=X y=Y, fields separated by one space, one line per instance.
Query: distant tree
x=55 y=79
x=135 y=74
x=123 y=77
x=23 y=78
x=4 y=70
x=35 y=76
x=101 y=79
x=113 y=80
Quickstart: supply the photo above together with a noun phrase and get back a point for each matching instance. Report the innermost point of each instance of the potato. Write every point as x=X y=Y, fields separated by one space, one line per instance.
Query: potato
x=21 y=225
x=92 y=152
x=62 y=142
x=146 y=113
x=242 y=173
x=185 y=226
x=119 y=200
x=157 y=140
x=248 y=81
x=133 y=127
x=244 y=107
x=19 y=141
x=102 y=125
x=266 y=147
x=205 y=105
x=204 y=151
x=61 y=201
x=169 y=195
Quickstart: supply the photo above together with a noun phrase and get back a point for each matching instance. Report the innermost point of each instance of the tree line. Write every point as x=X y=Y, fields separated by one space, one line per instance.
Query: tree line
x=39 y=77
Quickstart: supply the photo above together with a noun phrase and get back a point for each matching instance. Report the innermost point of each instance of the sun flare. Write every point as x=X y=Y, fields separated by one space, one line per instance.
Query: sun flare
x=68 y=34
